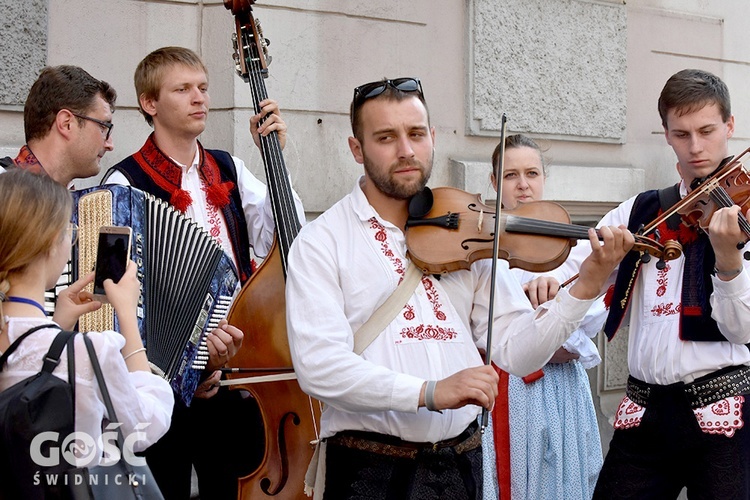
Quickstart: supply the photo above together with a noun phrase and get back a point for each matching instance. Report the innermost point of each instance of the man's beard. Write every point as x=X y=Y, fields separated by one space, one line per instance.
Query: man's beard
x=387 y=184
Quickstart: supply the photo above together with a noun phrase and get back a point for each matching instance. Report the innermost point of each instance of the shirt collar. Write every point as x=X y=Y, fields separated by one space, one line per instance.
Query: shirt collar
x=362 y=206
x=194 y=165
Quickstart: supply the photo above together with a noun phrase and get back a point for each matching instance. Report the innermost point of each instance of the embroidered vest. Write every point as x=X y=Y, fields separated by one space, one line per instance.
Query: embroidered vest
x=233 y=214
x=696 y=323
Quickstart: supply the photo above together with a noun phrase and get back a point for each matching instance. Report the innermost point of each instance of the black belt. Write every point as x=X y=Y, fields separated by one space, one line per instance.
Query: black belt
x=703 y=391
x=383 y=444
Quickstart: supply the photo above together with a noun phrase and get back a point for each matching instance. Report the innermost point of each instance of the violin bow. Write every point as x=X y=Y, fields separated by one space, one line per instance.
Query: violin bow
x=708 y=183
x=495 y=247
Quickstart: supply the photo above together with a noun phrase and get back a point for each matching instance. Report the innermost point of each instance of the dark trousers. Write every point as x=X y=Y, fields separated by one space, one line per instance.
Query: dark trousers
x=221 y=437
x=432 y=474
x=668 y=451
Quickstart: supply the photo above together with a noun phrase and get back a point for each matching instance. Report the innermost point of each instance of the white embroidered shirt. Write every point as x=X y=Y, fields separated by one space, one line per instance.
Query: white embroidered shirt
x=345 y=264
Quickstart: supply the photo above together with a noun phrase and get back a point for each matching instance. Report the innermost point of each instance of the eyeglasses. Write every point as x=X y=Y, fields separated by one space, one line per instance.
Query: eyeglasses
x=374 y=89
x=73 y=229
x=106 y=126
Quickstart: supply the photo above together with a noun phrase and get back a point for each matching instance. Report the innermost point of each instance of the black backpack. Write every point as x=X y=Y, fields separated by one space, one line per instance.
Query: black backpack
x=40 y=403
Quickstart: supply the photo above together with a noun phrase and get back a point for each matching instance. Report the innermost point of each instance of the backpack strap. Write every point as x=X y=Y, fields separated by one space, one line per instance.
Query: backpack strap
x=72 y=370
x=103 y=387
x=18 y=341
x=52 y=359
x=388 y=310
x=110 y=408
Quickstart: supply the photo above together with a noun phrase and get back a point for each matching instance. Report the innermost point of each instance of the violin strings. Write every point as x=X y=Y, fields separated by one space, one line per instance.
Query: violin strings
x=722 y=198
x=551 y=228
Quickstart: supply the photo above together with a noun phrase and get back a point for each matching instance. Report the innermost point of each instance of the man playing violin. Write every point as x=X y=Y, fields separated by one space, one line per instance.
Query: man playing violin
x=681 y=424
x=400 y=419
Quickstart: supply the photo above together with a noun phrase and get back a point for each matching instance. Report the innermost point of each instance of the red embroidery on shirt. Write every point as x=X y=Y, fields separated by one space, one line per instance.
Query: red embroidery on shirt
x=433 y=296
x=382 y=236
x=666 y=309
x=214 y=223
x=425 y=331
x=662 y=281
x=409 y=312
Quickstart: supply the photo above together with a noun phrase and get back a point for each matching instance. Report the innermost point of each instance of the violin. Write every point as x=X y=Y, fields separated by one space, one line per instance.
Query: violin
x=290 y=417
x=448 y=229
x=728 y=185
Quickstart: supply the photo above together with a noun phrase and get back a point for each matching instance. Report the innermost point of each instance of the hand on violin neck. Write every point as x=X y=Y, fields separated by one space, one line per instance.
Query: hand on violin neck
x=615 y=243
x=725 y=233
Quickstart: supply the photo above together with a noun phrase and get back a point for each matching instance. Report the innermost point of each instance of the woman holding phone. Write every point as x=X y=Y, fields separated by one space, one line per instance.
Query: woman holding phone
x=35 y=241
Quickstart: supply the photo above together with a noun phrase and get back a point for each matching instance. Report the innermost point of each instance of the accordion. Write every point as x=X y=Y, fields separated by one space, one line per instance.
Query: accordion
x=187 y=280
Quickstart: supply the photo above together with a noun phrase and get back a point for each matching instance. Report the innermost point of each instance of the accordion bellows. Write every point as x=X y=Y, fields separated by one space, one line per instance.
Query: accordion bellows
x=187 y=281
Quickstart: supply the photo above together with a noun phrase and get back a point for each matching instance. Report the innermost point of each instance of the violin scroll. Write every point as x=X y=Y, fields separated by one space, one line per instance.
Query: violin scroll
x=669 y=250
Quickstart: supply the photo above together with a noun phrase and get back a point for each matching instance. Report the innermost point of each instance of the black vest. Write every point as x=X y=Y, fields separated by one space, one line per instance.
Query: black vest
x=696 y=281
x=233 y=213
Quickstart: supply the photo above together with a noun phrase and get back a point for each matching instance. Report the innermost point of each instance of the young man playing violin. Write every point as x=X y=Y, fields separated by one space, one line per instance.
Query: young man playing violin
x=682 y=422
x=400 y=419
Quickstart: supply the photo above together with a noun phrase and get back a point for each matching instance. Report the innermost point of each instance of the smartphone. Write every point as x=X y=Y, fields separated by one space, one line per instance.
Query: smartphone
x=112 y=255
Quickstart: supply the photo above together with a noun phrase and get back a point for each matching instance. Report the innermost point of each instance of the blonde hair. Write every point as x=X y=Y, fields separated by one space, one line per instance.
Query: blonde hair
x=34 y=211
x=149 y=75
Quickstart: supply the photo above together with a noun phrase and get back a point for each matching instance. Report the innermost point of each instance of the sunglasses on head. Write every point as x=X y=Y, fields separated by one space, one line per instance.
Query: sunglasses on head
x=374 y=89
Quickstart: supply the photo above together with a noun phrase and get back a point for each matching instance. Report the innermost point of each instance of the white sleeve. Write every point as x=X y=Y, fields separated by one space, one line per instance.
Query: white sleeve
x=256 y=205
x=143 y=401
x=523 y=339
x=615 y=217
x=321 y=340
x=118 y=178
x=730 y=304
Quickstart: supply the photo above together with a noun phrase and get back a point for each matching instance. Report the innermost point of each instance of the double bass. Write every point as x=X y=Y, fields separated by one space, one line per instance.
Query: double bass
x=289 y=416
